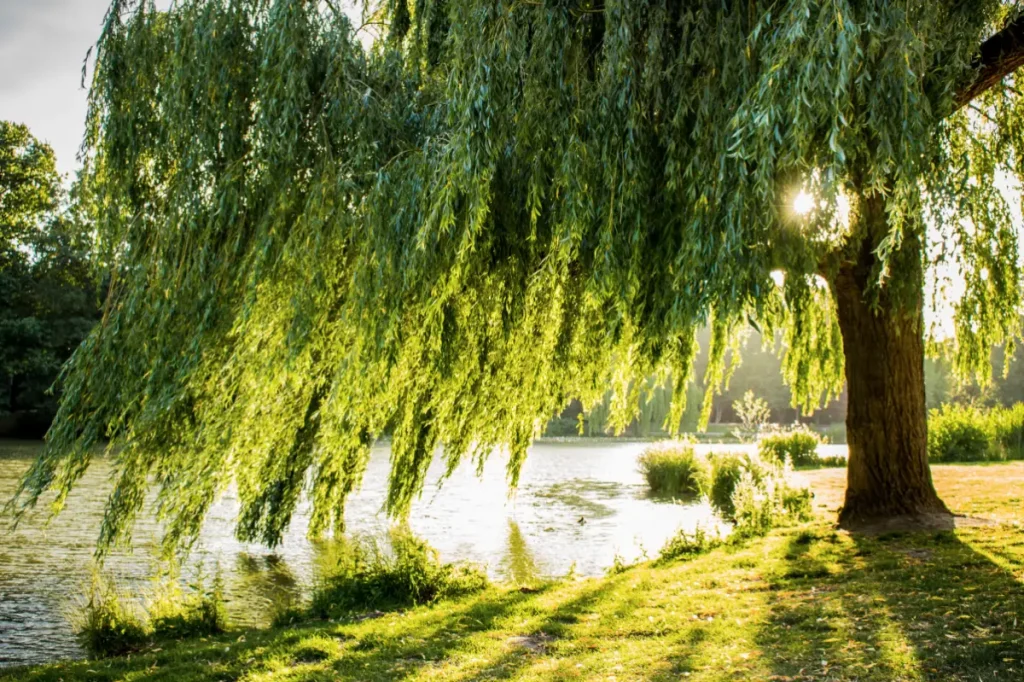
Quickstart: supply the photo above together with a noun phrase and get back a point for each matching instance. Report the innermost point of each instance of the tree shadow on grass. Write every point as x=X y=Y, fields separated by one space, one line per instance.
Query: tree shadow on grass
x=593 y=634
x=900 y=606
x=545 y=638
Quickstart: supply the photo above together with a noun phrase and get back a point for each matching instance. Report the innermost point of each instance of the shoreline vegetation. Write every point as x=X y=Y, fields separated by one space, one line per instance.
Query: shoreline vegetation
x=802 y=602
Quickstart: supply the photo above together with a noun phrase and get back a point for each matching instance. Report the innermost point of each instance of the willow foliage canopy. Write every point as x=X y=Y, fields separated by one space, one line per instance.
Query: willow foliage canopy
x=505 y=204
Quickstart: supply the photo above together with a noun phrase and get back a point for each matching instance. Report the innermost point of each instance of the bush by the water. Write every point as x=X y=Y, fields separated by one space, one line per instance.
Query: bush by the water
x=727 y=468
x=371 y=576
x=800 y=445
x=110 y=621
x=760 y=505
x=674 y=468
x=753 y=494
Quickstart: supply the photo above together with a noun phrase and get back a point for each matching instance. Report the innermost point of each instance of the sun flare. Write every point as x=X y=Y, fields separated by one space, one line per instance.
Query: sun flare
x=803 y=203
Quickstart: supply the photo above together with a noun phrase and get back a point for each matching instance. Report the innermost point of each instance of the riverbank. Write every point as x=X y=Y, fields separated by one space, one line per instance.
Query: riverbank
x=804 y=603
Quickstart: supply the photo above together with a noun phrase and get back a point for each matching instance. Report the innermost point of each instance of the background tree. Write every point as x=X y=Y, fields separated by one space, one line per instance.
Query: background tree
x=503 y=205
x=47 y=296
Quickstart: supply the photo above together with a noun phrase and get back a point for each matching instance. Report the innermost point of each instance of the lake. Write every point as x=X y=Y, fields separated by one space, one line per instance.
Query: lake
x=579 y=505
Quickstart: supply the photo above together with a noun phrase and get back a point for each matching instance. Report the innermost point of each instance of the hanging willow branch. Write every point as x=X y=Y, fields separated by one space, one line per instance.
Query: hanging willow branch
x=498 y=207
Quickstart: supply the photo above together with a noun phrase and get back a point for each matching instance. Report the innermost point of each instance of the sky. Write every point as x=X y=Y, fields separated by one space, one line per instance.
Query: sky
x=42 y=45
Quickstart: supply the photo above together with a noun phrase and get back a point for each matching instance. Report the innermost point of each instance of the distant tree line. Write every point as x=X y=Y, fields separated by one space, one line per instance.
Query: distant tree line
x=760 y=370
x=48 y=297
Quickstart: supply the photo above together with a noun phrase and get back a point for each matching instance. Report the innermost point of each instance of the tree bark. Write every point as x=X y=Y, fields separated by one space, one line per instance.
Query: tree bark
x=883 y=343
x=886 y=421
x=998 y=57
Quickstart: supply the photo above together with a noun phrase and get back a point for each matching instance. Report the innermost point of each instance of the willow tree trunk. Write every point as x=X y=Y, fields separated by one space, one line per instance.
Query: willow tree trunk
x=886 y=428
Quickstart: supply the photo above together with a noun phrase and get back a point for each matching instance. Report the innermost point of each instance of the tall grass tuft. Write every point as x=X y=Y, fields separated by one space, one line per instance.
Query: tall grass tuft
x=800 y=445
x=673 y=468
x=106 y=620
x=370 y=576
x=196 y=610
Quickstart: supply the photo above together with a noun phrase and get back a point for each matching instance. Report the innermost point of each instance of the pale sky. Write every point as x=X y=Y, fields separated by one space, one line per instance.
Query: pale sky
x=42 y=45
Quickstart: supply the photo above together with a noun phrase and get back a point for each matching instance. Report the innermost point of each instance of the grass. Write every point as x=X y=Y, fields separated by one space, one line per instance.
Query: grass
x=370 y=576
x=109 y=620
x=803 y=603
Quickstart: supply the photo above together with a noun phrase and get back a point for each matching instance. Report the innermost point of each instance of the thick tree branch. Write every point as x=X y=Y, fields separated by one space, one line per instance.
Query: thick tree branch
x=999 y=56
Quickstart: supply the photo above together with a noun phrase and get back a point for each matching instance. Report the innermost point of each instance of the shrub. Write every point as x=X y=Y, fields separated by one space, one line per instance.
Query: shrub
x=753 y=413
x=959 y=434
x=372 y=577
x=753 y=494
x=107 y=622
x=674 y=468
x=755 y=507
x=799 y=444
x=726 y=470
x=762 y=505
x=761 y=499
x=1007 y=428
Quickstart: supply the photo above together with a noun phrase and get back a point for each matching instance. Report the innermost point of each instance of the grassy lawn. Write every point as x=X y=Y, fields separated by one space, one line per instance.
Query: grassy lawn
x=805 y=603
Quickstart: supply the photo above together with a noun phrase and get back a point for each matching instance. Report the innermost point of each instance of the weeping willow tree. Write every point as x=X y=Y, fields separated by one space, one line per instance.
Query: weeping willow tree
x=501 y=205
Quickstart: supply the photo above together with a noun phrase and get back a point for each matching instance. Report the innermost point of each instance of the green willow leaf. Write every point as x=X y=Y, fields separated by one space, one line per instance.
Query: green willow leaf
x=497 y=207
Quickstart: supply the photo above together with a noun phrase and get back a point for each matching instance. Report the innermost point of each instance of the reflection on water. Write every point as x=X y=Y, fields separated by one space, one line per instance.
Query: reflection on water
x=518 y=565
x=267 y=582
x=578 y=504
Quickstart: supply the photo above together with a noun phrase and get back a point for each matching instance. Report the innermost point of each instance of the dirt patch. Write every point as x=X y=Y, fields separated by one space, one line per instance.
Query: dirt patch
x=975 y=490
x=371 y=615
x=537 y=643
x=917 y=522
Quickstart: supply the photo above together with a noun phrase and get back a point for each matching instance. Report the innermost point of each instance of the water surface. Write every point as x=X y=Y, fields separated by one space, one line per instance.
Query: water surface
x=578 y=505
